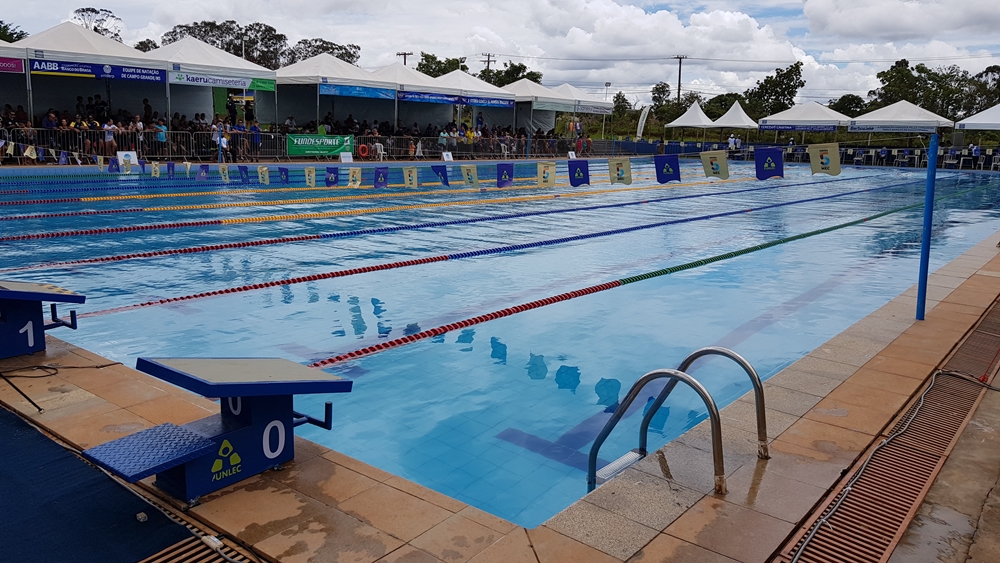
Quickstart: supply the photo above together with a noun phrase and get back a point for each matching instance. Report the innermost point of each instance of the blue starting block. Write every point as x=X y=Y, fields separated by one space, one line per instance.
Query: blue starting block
x=253 y=432
x=22 y=327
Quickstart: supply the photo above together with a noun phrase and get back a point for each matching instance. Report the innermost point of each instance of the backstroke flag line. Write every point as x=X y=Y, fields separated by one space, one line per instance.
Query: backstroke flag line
x=244 y=174
x=382 y=177
x=353 y=177
x=715 y=164
x=310 y=176
x=283 y=175
x=332 y=176
x=202 y=174
x=442 y=173
x=224 y=173
x=505 y=175
x=770 y=163
x=411 y=178
x=825 y=158
x=170 y=169
x=264 y=175
x=621 y=170
x=579 y=172
x=470 y=175
x=668 y=168
x=547 y=174
x=155 y=172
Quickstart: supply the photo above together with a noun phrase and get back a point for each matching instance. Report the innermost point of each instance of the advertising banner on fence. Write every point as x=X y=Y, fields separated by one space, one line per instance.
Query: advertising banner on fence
x=11 y=65
x=91 y=70
x=264 y=84
x=319 y=145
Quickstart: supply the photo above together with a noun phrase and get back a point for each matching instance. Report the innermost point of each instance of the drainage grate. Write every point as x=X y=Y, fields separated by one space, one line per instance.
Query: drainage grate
x=977 y=356
x=192 y=550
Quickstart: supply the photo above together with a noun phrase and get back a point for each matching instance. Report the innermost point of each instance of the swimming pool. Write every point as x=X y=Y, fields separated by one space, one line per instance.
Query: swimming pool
x=498 y=414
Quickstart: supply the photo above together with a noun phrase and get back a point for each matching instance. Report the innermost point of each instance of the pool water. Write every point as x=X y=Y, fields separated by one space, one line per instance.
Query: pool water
x=500 y=415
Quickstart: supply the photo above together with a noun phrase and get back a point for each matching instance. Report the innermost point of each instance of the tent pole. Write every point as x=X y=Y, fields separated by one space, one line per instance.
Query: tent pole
x=31 y=95
x=317 y=108
x=925 y=239
x=168 y=116
x=395 y=110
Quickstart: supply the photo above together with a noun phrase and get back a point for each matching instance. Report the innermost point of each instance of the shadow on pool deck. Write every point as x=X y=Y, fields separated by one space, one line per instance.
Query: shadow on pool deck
x=823 y=412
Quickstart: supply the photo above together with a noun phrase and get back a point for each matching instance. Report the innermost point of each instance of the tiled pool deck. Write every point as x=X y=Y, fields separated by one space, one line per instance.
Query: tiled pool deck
x=822 y=413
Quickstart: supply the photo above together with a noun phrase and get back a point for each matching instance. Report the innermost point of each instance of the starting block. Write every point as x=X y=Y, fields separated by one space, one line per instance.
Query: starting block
x=253 y=432
x=22 y=326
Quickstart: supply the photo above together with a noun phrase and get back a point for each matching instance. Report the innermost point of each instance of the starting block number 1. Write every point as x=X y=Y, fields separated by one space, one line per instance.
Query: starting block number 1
x=29 y=328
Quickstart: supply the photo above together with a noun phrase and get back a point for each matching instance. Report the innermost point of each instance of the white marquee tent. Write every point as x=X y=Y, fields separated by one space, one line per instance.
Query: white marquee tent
x=585 y=102
x=13 y=83
x=326 y=83
x=810 y=116
x=736 y=118
x=901 y=117
x=984 y=120
x=419 y=97
x=693 y=117
x=496 y=104
x=10 y=51
x=537 y=105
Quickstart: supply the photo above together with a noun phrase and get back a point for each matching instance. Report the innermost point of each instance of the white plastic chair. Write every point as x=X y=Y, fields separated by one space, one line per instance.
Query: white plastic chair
x=379 y=151
x=504 y=151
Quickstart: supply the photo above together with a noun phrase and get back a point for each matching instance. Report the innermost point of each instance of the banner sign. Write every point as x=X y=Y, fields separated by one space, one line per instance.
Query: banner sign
x=11 y=65
x=202 y=173
x=505 y=175
x=113 y=167
x=356 y=92
x=547 y=174
x=589 y=108
x=319 y=145
x=765 y=127
x=825 y=158
x=310 y=176
x=621 y=170
x=553 y=106
x=411 y=178
x=668 y=168
x=171 y=166
x=471 y=175
x=264 y=175
x=854 y=127
x=91 y=70
x=156 y=169
x=715 y=164
x=427 y=97
x=263 y=84
x=381 y=177
x=442 y=173
x=332 y=176
x=353 y=177
x=283 y=175
x=769 y=163
x=224 y=173
x=244 y=174
x=485 y=102
x=579 y=173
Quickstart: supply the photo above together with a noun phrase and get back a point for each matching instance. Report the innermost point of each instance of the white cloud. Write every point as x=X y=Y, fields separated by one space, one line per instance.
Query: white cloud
x=902 y=19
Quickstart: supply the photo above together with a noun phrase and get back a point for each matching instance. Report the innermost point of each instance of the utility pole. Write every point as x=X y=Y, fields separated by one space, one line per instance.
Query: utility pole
x=680 y=61
x=489 y=60
x=404 y=55
x=606 y=86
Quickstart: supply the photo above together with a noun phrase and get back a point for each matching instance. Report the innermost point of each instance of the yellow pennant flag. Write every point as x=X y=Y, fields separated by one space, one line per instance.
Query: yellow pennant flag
x=353 y=177
x=10 y=149
x=547 y=174
x=155 y=170
x=715 y=164
x=825 y=158
x=127 y=165
x=310 y=176
x=187 y=169
x=53 y=153
x=100 y=163
x=264 y=175
x=224 y=173
x=621 y=170
x=471 y=175
x=29 y=152
x=76 y=157
x=410 y=177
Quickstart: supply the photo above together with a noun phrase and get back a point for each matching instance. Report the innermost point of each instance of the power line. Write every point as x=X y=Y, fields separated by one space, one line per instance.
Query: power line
x=489 y=60
x=404 y=55
x=728 y=60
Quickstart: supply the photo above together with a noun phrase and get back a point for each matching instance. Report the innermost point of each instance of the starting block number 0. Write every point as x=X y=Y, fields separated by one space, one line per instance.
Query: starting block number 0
x=29 y=328
x=268 y=452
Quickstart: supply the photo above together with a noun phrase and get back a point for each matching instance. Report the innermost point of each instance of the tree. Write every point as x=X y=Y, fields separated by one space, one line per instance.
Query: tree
x=717 y=106
x=984 y=90
x=776 y=92
x=146 y=45
x=258 y=43
x=660 y=94
x=101 y=21
x=898 y=83
x=309 y=48
x=622 y=105
x=511 y=73
x=851 y=105
x=432 y=66
x=11 y=33
x=671 y=110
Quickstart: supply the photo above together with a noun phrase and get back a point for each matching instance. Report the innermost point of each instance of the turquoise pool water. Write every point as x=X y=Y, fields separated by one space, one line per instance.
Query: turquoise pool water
x=501 y=414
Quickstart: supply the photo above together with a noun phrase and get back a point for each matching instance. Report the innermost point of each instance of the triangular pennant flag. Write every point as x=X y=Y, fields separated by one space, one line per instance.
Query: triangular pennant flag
x=547 y=174
x=579 y=172
x=283 y=175
x=155 y=169
x=10 y=149
x=224 y=173
x=769 y=163
x=505 y=175
x=30 y=152
x=353 y=177
x=310 y=176
x=187 y=168
x=715 y=164
x=63 y=158
x=142 y=165
x=442 y=173
x=202 y=174
x=621 y=170
x=825 y=158
x=668 y=168
x=52 y=153
x=381 y=177
x=127 y=166
x=170 y=170
x=264 y=175
x=332 y=176
x=113 y=166
x=411 y=178
x=471 y=175
x=244 y=174
x=100 y=163
x=76 y=157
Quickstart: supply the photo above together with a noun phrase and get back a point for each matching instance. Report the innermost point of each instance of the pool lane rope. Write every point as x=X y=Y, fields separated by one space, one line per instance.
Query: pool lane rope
x=438 y=331
x=398 y=228
x=472 y=253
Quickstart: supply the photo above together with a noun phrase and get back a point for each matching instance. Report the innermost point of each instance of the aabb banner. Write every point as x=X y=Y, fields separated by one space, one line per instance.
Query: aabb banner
x=92 y=70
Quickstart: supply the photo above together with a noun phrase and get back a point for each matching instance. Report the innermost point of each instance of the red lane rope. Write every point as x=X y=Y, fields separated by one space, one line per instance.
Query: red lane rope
x=465 y=323
x=38 y=201
x=107 y=230
x=71 y=214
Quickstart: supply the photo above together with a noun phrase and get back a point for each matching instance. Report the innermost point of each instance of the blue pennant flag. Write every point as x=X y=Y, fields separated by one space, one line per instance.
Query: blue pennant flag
x=332 y=176
x=244 y=174
x=668 y=168
x=505 y=175
x=142 y=164
x=769 y=163
x=113 y=166
x=442 y=173
x=202 y=173
x=579 y=172
x=381 y=177
x=63 y=158
x=283 y=175
x=170 y=170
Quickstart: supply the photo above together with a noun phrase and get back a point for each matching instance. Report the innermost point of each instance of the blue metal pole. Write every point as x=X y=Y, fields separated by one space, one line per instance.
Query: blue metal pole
x=925 y=241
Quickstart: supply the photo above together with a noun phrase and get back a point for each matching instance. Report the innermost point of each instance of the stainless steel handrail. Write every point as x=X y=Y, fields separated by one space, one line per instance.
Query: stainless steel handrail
x=758 y=391
x=674 y=376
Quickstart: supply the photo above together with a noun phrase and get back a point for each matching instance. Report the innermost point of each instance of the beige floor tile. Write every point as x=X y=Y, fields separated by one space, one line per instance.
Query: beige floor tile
x=806 y=465
x=848 y=350
x=409 y=554
x=874 y=379
x=756 y=487
x=782 y=399
x=644 y=498
x=400 y=514
x=907 y=360
x=129 y=392
x=552 y=547
x=881 y=400
x=421 y=492
x=90 y=378
x=743 y=415
x=486 y=519
x=512 y=548
x=602 y=529
x=688 y=466
x=358 y=466
x=329 y=536
x=456 y=540
x=100 y=428
x=732 y=530
x=804 y=382
x=849 y=416
x=824 y=368
x=668 y=549
x=826 y=438
x=323 y=480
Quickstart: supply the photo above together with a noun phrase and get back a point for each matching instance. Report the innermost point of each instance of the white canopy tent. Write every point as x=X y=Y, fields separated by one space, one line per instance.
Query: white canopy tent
x=693 y=117
x=495 y=103
x=10 y=51
x=987 y=120
x=195 y=67
x=736 y=118
x=433 y=100
x=307 y=84
x=900 y=117
x=585 y=102
x=810 y=116
x=535 y=97
x=13 y=82
x=59 y=57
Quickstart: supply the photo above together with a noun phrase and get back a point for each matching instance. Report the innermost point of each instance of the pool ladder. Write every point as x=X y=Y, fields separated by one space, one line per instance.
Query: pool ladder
x=675 y=375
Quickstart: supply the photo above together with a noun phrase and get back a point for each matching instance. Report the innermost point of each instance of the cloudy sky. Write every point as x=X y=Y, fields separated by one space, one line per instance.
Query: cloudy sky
x=731 y=43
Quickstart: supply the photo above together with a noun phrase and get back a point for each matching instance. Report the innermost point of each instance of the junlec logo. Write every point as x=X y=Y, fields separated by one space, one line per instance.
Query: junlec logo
x=219 y=470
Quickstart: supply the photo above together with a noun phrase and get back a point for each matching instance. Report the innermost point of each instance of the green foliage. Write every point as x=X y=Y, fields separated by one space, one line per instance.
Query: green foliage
x=948 y=91
x=309 y=48
x=717 y=106
x=511 y=73
x=660 y=94
x=432 y=66
x=101 y=21
x=851 y=105
x=622 y=105
x=671 y=110
x=775 y=93
x=146 y=45
x=11 y=33
x=898 y=83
